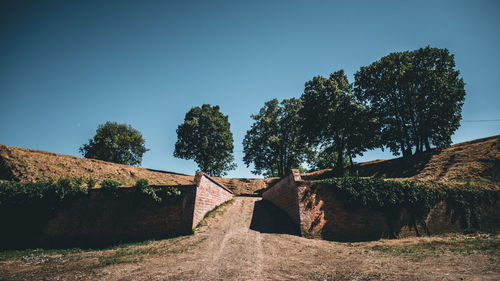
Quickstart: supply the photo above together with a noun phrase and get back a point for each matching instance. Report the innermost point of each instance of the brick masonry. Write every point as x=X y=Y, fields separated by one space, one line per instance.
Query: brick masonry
x=320 y=214
x=209 y=194
x=99 y=219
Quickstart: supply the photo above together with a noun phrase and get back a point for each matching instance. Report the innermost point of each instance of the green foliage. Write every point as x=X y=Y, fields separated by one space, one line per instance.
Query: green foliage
x=158 y=194
x=274 y=144
x=326 y=158
x=417 y=199
x=118 y=143
x=334 y=120
x=91 y=183
x=47 y=194
x=465 y=203
x=110 y=187
x=142 y=183
x=417 y=97
x=25 y=208
x=205 y=137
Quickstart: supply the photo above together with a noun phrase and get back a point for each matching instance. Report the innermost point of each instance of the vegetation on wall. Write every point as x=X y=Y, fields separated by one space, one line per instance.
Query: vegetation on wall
x=110 y=187
x=417 y=199
x=157 y=194
x=26 y=207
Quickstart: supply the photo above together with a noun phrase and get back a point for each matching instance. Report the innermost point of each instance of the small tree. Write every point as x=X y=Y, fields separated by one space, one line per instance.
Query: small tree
x=274 y=143
x=118 y=143
x=205 y=137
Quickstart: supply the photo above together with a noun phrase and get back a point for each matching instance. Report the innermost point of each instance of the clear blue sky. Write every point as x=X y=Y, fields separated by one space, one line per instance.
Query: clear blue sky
x=68 y=66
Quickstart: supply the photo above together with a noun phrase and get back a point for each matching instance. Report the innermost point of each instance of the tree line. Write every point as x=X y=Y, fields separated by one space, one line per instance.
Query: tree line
x=407 y=102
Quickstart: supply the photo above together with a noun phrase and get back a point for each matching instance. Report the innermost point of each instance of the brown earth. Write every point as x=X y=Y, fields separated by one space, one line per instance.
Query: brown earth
x=477 y=161
x=248 y=239
x=28 y=165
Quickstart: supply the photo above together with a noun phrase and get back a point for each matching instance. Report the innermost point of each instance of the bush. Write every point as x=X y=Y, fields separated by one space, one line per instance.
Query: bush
x=110 y=187
x=141 y=183
x=158 y=194
x=91 y=183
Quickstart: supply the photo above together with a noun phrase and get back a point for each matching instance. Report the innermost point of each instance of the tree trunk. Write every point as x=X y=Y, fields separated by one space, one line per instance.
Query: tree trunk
x=340 y=158
x=427 y=144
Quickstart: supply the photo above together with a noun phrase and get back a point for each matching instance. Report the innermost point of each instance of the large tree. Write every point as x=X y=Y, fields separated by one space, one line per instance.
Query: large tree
x=417 y=97
x=334 y=121
x=205 y=136
x=118 y=143
x=274 y=144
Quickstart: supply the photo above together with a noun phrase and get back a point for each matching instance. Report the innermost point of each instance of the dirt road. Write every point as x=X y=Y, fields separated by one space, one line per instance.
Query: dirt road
x=250 y=239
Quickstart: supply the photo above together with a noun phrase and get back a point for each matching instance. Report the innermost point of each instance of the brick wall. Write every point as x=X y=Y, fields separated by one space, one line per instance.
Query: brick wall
x=320 y=214
x=99 y=219
x=324 y=216
x=284 y=194
x=209 y=194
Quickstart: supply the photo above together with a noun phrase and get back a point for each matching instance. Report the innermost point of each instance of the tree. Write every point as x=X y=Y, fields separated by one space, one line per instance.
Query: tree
x=325 y=158
x=334 y=121
x=417 y=97
x=118 y=143
x=274 y=144
x=205 y=136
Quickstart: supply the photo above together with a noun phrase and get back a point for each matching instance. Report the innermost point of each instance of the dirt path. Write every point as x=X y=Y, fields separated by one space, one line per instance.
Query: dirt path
x=250 y=239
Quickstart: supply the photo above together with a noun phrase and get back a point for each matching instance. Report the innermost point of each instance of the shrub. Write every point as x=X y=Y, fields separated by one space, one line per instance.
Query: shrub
x=141 y=183
x=91 y=183
x=158 y=194
x=110 y=187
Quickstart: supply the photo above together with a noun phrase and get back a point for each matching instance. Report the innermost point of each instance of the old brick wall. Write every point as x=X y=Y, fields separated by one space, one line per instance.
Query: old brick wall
x=209 y=194
x=315 y=208
x=323 y=216
x=100 y=219
x=284 y=194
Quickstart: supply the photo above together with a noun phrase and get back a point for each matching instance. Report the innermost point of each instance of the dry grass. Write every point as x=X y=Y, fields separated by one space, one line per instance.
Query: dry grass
x=473 y=163
x=28 y=165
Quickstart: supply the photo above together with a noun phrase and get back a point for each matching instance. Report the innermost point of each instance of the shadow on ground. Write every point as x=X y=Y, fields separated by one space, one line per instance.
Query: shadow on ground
x=267 y=218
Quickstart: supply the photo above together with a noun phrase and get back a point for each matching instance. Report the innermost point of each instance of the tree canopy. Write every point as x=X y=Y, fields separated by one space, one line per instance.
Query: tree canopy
x=417 y=97
x=274 y=144
x=334 y=121
x=205 y=137
x=118 y=143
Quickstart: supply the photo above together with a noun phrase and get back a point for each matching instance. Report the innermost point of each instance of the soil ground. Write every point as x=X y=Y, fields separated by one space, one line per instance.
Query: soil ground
x=249 y=239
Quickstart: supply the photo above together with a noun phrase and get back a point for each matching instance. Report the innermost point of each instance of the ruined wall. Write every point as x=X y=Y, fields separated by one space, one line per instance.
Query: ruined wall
x=209 y=194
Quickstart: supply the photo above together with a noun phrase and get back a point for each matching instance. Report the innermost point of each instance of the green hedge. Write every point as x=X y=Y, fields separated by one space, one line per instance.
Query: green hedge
x=417 y=198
